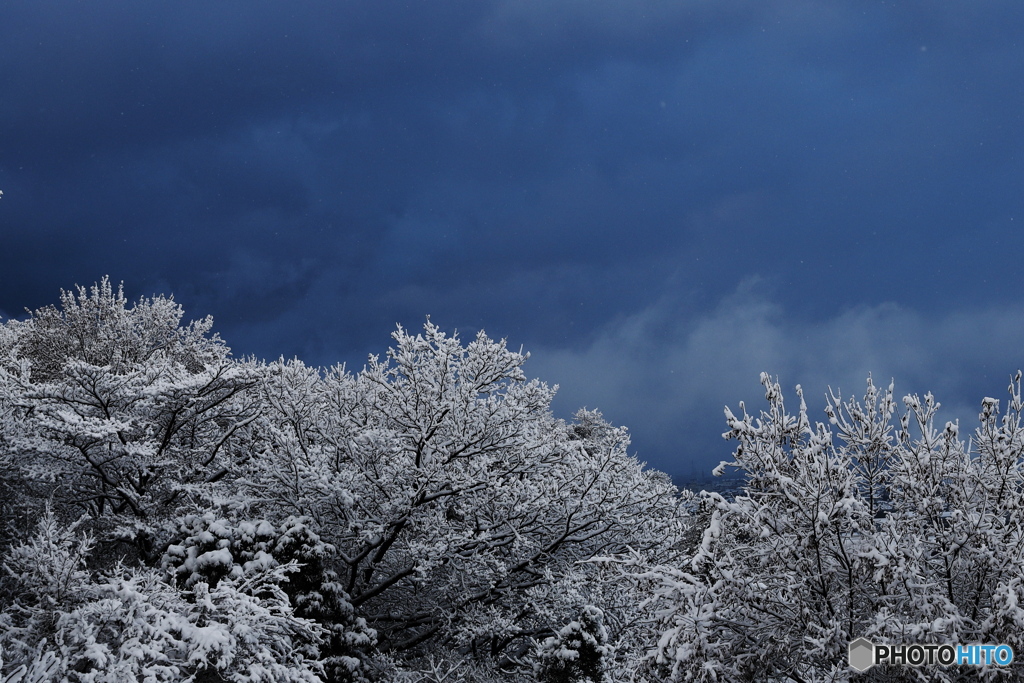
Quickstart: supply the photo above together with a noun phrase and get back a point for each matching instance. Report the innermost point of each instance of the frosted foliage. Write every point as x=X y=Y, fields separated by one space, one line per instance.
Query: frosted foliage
x=451 y=493
x=98 y=326
x=51 y=564
x=876 y=523
x=131 y=625
x=41 y=669
x=449 y=668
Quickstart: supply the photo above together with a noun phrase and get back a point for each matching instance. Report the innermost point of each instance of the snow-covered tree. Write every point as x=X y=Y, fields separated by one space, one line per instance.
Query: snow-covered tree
x=451 y=493
x=120 y=410
x=855 y=527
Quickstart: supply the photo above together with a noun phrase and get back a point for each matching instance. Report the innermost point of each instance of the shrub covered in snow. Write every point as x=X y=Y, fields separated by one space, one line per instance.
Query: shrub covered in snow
x=577 y=652
x=210 y=549
x=133 y=625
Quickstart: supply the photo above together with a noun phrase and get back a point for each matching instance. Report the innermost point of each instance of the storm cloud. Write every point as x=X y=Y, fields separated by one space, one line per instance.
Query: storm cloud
x=658 y=200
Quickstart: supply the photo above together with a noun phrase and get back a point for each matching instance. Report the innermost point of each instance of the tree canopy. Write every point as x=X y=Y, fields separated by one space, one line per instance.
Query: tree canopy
x=172 y=513
x=425 y=511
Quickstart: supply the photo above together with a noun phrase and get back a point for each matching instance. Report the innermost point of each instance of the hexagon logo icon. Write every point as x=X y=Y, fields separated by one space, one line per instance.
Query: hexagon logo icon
x=862 y=654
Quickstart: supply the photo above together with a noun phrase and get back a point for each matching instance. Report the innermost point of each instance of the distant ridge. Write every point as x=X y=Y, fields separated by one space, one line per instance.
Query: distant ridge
x=725 y=485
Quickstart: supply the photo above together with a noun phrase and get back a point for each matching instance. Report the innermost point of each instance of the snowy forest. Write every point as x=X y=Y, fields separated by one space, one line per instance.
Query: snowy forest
x=173 y=513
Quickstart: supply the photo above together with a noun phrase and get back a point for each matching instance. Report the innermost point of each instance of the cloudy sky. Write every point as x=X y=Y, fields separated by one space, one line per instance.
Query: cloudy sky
x=658 y=199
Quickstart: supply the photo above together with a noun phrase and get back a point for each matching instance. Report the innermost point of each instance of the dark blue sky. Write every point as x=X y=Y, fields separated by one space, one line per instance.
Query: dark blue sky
x=658 y=199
